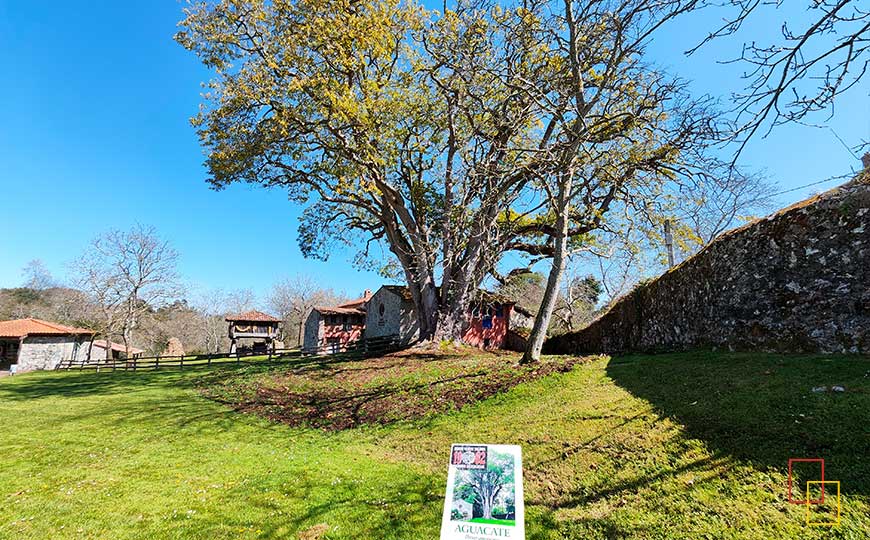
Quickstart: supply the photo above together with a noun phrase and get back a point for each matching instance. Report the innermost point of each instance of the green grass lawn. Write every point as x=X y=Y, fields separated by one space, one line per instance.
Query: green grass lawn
x=673 y=446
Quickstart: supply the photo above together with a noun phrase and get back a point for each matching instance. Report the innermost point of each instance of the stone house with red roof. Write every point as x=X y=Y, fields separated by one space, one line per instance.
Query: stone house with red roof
x=331 y=328
x=390 y=312
x=30 y=344
x=118 y=350
x=488 y=323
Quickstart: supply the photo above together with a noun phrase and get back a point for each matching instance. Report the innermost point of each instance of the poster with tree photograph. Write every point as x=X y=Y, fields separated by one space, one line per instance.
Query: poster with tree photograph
x=484 y=498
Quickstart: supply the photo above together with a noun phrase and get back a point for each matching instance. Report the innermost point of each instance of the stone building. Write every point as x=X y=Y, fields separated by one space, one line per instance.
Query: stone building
x=491 y=318
x=118 y=350
x=30 y=344
x=391 y=313
x=332 y=328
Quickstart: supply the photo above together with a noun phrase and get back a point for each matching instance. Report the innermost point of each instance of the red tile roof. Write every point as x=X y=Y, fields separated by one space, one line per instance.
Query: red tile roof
x=486 y=296
x=338 y=310
x=20 y=328
x=353 y=307
x=251 y=316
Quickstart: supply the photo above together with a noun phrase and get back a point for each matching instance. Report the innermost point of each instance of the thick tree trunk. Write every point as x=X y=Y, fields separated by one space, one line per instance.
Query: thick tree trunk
x=551 y=294
x=428 y=310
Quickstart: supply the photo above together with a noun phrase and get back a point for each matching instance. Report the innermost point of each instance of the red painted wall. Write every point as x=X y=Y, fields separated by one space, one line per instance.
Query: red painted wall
x=475 y=335
x=337 y=331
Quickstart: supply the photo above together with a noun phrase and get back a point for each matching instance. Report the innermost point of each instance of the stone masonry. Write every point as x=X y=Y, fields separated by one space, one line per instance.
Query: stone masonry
x=796 y=281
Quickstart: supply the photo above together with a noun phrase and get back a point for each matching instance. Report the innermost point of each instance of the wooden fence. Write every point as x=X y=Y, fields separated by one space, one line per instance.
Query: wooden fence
x=364 y=348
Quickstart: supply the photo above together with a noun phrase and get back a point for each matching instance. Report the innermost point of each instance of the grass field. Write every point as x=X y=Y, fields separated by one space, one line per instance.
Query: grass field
x=674 y=446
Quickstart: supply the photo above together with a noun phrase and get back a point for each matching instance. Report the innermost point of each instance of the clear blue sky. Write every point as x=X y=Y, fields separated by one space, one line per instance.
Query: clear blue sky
x=95 y=99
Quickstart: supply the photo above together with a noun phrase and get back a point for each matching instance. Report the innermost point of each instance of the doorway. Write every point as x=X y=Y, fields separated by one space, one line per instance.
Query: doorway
x=8 y=353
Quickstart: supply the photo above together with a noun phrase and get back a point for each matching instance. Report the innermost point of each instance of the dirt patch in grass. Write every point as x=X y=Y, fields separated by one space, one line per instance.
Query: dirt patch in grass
x=396 y=387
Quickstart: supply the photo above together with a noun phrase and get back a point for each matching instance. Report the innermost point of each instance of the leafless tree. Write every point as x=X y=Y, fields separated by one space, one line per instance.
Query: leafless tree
x=719 y=203
x=240 y=300
x=291 y=299
x=37 y=276
x=212 y=306
x=577 y=302
x=101 y=283
x=128 y=273
x=802 y=72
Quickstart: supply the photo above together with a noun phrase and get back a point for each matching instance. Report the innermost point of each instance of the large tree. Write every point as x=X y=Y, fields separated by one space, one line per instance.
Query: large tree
x=446 y=137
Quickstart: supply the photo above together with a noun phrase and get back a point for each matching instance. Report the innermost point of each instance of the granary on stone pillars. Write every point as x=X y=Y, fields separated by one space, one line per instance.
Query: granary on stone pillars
x=254 y=327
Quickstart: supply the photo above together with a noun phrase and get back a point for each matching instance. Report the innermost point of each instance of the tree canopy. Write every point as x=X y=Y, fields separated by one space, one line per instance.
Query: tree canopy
x=446 y=138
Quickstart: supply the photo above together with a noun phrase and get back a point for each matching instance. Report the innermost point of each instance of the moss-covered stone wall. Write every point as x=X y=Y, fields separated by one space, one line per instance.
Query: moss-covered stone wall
x=796 y=281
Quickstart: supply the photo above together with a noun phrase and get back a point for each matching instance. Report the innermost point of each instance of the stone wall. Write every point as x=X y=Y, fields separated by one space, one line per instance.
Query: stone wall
x=48 y=351
x=398 y=318
x=796 y=281
x=313 y=330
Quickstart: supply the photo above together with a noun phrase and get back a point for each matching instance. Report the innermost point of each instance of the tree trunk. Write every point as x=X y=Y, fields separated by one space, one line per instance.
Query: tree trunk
x=451 y=322
x=428 y=310
x=127 y=337
x=129 y=323
x=107 y=335
x=551 y=294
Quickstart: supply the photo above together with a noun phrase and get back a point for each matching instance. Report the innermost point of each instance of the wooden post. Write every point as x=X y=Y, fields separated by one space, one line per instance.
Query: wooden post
x=181 y=364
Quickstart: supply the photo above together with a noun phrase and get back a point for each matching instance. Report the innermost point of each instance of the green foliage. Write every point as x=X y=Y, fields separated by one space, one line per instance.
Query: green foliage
x=438 y=136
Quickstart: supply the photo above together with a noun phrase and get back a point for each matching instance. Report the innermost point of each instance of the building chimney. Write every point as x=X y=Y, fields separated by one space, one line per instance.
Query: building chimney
x=865 y=159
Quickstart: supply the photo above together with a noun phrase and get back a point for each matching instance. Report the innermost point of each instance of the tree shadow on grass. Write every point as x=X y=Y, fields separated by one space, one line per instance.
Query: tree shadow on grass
x=762 y=408
x=85 y=383
x=407 y=507
x=74 y=383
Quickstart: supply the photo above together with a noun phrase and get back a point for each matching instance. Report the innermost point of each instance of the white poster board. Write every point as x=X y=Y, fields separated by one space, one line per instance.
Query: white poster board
x=484 y=496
